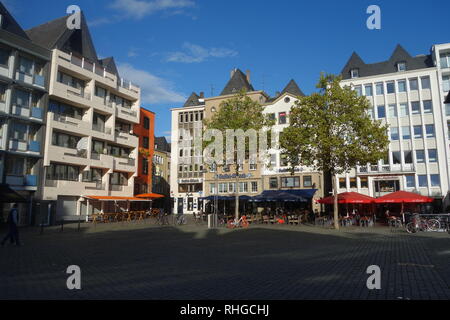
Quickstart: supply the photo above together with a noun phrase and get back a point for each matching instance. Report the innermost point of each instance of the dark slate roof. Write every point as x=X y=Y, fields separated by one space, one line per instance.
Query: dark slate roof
x=193 y=101
x=10 y=24
x=55 y=35
x=110 y=65
x=161 y=144
x=237 y=82
x=389 y=66
x=293 y=89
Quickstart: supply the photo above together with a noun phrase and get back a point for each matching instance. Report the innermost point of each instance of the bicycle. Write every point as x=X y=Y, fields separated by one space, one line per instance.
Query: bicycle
x=237 y=223
x=180 y=219
x=162 y=219
x=422 y=224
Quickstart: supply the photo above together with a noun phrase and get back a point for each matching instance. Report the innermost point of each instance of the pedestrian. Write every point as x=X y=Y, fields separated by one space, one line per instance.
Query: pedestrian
x=13 y=232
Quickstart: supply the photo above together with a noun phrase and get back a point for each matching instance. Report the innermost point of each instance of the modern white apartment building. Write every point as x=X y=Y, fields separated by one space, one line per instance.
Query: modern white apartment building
x=186 y=167
x=90 y=149
x=408 y=93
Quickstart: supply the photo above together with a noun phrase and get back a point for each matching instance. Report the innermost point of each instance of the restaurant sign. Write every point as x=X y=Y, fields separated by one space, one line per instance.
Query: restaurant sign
x=190 y=180
x=233 y=176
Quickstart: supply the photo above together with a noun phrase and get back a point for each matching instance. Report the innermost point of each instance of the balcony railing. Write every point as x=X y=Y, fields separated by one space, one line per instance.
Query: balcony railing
x=98 y=186
x=20 y=145
x=78 y=153
x=101 y=128
x=115 y=187
x=95 y=156
x=129 y=112
x=82 y=94
x=28 y=180
x=396 y=168
x=39 y=80
x=128 y=161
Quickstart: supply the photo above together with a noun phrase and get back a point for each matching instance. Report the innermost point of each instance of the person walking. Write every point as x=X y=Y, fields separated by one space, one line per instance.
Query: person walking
x=13 y=232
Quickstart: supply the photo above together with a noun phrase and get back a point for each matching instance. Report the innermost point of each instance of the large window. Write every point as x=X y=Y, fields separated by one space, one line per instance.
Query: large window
x=4 y=57
x=342 y=183
x=273 y=183
x=429 y=129
x=68 y=80
x=144 y=166
x=401 y=85
x=2 y=92
x=368 y=90
x=392 y=111
x=290 y=182
x=427 y=106
x=358 y=90
x=282 y=118
x=254 y=186
x=98 y=146
x=22 y=98
x=435 y=180
x=432 y=155
x=63 y=172
x=394 y=133
x=381 y=111
x=364 y=182
x=423 y=183
x=406 y=133
x=354 y=73
x=408 y=156
x=15 y=166
x=307 y=181
x=404 y=111
x=413 y=84
x=445 y=60
x=415 y=107
x=390 y=87
x=93 y=175
x=420 y=156
x=425 y=82
x=145 y=142
x=146 y=123
x=65 y=110
x=410 y=182
x=243 y=187
x=119 y=178
x=396 y=157
x=64 y=140
x=446 y=83
x=25 y=65
x=379 y=88
x=19 y=131
x=418 y=132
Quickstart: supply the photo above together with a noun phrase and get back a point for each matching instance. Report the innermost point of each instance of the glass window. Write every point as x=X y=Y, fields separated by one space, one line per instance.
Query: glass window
x=396 y=157
x=410 y=182
x=22 y=98
x=368 y=90
x=435 y=180
x=212 y=188
x=273 y=183
x=392 y=111
x=381 y=111
x=420 y=156
x=394 y=133
x=390 y=87
x=402 y=86
x=401 y=66
x=282 y=118
x=404 y=110
x=243 y=187
x=446 y=83
x=100 y=92
x=4 y=56
x=25 y=65
x=429 y=129
x=19 y=131
x=307 y=181
x=370 y=112
x=423 y=180
x=283 y=160
x=418 y=132
x=353 y=183
x=15 y=166
x=413 y=84
x=358 y=91
x=379 y=88
x=232 y=187
x=2 y=92
x=445 y=60
x=408 y=156
x=354 y=73
x=287 y=182
x=432 y=155
x=447 y=109
x=145 y=142
x=364 y=182
x=427 y=106
x=342 y=183
x=406 y=133
x=425 y=82
x=254 y=186
x=146 y=123
x=415 y=107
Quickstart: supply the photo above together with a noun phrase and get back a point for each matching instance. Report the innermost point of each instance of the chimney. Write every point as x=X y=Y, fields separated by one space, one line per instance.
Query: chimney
x=247 y=73
x=202 y=95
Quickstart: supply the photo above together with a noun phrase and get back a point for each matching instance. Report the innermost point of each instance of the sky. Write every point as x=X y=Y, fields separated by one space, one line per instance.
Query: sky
x=174 y=47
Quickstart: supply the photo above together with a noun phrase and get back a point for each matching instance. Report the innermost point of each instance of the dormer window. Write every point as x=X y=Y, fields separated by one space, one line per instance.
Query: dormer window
x=354 y=73
x=401 y=66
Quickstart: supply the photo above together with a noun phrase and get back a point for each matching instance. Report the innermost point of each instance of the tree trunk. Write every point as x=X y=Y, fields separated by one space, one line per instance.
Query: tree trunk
x=335 y=206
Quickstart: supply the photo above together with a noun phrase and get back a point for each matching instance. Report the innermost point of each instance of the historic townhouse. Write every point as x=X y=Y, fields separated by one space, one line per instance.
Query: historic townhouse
x=408 y=93
x=90 y=150
x=23 y=104
x=161 y=172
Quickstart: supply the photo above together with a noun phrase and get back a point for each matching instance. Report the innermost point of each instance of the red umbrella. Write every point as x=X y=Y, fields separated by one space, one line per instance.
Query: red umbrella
x=347 y=197
x=403 y=197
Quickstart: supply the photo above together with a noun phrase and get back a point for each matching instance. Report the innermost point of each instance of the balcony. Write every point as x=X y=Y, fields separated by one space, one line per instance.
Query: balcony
x=24 y=146
x=27 y=112
x=68 y=123
x=97 y=185
x=101 y=128
x=125 y=164
x=116 y=187
x=386 y=169
x=39 y=80
x=28 y=180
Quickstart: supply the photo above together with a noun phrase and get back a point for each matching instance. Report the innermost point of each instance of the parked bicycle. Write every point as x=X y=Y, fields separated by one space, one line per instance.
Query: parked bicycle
x=238 y=223
x=180 y=219
x=421 y=224
x=161 y=218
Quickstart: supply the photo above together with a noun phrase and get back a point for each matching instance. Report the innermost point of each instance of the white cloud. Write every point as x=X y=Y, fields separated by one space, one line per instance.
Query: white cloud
x=194 y=53
x=153 y=88
x=138 y=9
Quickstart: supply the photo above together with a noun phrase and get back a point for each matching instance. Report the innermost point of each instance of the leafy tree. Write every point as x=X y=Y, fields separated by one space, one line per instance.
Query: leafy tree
x=237 y=112
x=332 y=131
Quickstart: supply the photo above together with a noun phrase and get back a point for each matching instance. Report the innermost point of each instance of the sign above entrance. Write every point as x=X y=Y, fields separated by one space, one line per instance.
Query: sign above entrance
x=233 y=176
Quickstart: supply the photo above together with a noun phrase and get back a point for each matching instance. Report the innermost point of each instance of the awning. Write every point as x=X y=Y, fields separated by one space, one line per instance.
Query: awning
x=348 y=197
x=150 y=195
x=278 y=196
x=8 y=195
x=106 y=198
x=403 y=197
x=305 y=193
x=212 y=198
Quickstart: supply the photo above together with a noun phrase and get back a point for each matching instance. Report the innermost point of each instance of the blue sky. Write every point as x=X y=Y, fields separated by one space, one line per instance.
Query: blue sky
x=174 y=47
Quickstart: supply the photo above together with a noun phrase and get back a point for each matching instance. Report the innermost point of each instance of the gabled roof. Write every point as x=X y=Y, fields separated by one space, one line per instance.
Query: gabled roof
x=237 y=82
x=110 y=65
x=10 y=24
x=293 y=89
x=193 y=101
x=389 y=66
x=55 y=35
x=161 y=144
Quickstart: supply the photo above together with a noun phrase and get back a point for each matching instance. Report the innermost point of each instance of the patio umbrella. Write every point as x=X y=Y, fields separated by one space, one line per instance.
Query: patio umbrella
x=347 y=197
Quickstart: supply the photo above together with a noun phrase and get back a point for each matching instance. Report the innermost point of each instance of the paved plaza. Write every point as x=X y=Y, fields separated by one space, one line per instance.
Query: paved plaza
x=146 y=261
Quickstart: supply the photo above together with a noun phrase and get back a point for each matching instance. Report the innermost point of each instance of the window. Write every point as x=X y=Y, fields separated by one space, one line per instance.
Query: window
x=380 y=88
x=254 y=186
x=119 y=178
x=432 y=155
x=368 y=90
x=342 y=183
x=420 y=156
x=98 y=122
x=64 y=140
x=25 y=65
x=423 y=180
x=447 y=108
x=413 y=84
x=93 y=175
x=223 y=187
x=307 y=181
x=144 y=166
x=15 y=166
x=181 y=118
x=4 y=57
x=401 y=86
x=406 y=133
x=146 y=123
x=2 y=92
x=273 y=183
x=354 y=73
x=98 y=146
x=425 y=82
x=381 y=111
x=287 y=100
x=22 y=98
x=273 y=160
x=390 y=87
x=401 y=66
x=282 y=118
x=408 y=156
x=429 y=129
x=396 y=157
x=435 y=180
x=394 y=133
x=418 y=132
x=145 y=142
x=63 y=172
x=404 y=110
x=65 y=110
x=283 y=160
x=445 y=60
x=446 y=83
x=253 y=166
x=410 y=182
x=370 y=112
x=19 y=131
x=353 y=183
x=392 y=111
x=358 y=91
x=271 y=116
x=364 y=182
x=212 y=188
x=243 y=187
x=427 y=106
x=415 y=107
x=289 y=182
x=100 y=92
x=72 y=81
x=232 y=187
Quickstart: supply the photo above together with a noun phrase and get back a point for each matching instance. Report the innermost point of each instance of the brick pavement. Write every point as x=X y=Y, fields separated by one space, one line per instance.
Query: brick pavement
x=144 y=261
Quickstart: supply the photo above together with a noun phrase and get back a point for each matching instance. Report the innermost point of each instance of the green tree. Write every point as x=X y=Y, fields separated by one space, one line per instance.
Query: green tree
x=237 y=112
x=332 y=131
